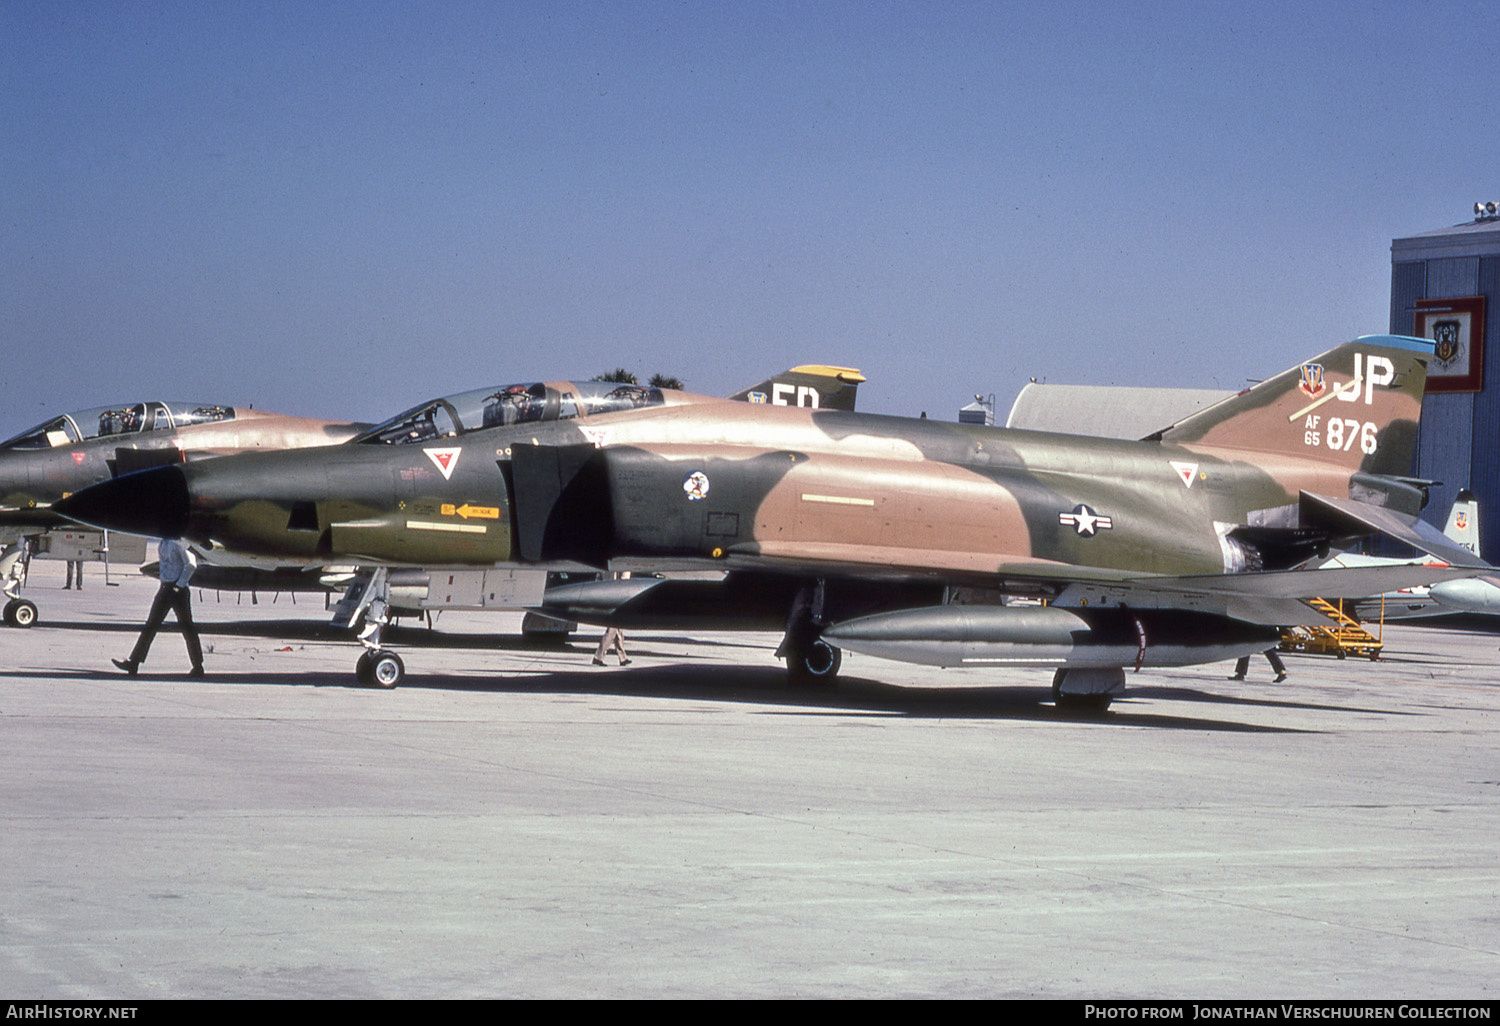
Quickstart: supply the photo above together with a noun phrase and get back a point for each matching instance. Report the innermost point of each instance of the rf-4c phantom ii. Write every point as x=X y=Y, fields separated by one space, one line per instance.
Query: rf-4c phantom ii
x=69 y=452
x=74 y=450
x=884 y=535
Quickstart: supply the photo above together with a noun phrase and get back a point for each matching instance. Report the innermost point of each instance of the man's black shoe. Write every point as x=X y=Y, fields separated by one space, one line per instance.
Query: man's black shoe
x=128 y=665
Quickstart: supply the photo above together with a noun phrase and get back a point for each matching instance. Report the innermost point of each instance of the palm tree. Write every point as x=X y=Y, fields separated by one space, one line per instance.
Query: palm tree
x=621 y=376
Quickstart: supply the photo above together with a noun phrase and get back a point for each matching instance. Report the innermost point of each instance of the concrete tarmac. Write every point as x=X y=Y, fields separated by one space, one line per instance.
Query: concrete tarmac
x=514 y=822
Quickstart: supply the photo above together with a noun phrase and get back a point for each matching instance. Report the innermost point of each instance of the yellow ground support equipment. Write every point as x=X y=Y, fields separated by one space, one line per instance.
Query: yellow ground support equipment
x=1346 y=636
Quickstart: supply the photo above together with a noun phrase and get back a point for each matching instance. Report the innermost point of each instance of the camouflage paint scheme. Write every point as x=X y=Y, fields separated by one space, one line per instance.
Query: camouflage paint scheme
x=70 y=452
x=891 y=510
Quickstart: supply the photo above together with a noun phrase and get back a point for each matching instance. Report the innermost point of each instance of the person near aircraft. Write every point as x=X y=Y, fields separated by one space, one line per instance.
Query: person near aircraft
x=612 y=639
x=176 y=571
x=75 y=573
x=1242 y=666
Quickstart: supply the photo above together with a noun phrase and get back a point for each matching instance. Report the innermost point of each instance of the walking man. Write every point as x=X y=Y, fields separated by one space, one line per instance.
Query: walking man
x=1242 y=667
x=612 y=639
x=175 y=570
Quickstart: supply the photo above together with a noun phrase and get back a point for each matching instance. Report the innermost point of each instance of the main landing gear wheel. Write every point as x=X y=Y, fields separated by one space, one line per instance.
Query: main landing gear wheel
x=20 y=613
x=1087 y=690
x=382 y=669
x=814 y=663
x=1081 y=703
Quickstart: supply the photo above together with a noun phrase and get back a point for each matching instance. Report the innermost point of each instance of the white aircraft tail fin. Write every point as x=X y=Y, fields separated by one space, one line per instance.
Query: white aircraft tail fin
x=1463 y=521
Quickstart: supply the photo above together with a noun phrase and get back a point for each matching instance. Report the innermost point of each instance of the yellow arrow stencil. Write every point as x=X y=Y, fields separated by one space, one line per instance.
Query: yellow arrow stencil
x=466 y=511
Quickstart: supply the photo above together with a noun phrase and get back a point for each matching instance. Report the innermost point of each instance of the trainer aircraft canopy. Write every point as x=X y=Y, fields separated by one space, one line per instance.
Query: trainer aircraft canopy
x=105 y=421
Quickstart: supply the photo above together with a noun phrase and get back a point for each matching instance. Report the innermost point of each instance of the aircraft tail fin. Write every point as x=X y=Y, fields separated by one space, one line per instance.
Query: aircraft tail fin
x=1357 y=406
x=811 y=385
x=1463 y=521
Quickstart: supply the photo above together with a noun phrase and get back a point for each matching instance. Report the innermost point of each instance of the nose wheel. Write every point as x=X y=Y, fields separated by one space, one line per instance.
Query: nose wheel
x=380 y=668
x=20 y=613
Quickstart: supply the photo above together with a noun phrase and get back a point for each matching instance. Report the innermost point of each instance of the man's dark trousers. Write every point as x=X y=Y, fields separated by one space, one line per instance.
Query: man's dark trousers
x=180 y=601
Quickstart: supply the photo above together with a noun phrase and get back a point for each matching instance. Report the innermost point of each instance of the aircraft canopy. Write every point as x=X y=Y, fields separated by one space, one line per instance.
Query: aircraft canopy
x=125 y=419
x=510 y=404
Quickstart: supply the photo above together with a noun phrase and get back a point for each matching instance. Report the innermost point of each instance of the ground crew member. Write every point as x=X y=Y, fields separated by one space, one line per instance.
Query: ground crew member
x=1243 y=666
x=612 y=639
x=176 y=570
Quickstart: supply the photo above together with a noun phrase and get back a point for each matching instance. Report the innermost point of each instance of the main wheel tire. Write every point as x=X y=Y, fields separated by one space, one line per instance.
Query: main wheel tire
x=386 y=670
x=1096 y=703
x=20 y=613
x=362 y=668
x=817 y=663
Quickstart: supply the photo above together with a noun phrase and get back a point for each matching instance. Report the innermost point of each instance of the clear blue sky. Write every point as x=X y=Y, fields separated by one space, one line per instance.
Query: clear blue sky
x=343 y=208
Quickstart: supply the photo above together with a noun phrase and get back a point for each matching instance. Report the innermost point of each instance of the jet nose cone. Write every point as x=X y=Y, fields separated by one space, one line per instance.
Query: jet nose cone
x=150 y=502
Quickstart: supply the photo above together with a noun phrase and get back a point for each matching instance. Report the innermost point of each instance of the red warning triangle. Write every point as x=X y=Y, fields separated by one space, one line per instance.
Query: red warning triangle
x=1188 y=472
x=444 y=459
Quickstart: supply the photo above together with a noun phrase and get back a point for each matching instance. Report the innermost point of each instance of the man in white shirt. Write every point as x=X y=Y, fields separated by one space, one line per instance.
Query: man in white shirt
x=175 y=570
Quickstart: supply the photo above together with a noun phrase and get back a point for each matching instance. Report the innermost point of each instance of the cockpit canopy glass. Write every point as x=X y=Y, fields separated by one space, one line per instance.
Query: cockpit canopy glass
x=510 y=404
x=104 y=421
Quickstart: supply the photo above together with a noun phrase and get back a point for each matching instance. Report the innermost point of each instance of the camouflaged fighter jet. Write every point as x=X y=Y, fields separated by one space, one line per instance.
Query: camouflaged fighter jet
x=885 y=535
x=371 y=592
x=74 y=450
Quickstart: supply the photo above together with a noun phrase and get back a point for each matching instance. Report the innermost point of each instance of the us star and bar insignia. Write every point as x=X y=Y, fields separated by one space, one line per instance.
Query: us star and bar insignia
x=1085 y=521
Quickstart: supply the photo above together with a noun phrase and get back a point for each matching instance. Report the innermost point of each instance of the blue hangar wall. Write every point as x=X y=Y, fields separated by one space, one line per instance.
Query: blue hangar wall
x=1459 y=443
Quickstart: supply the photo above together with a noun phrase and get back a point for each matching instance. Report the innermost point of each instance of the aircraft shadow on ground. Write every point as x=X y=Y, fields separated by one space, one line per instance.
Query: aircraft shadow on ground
x=850 y=695
x=761 y=685
x=409 y=637
x=1191 y=694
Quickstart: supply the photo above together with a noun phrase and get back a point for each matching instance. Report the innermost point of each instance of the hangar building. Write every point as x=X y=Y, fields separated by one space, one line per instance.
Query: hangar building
x=1445 y=285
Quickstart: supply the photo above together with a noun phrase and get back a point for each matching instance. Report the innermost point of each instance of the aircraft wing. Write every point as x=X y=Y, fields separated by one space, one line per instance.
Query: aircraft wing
x=1272 y=597
x=899 y=562
x=1156 y=621
x=1276 y=597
